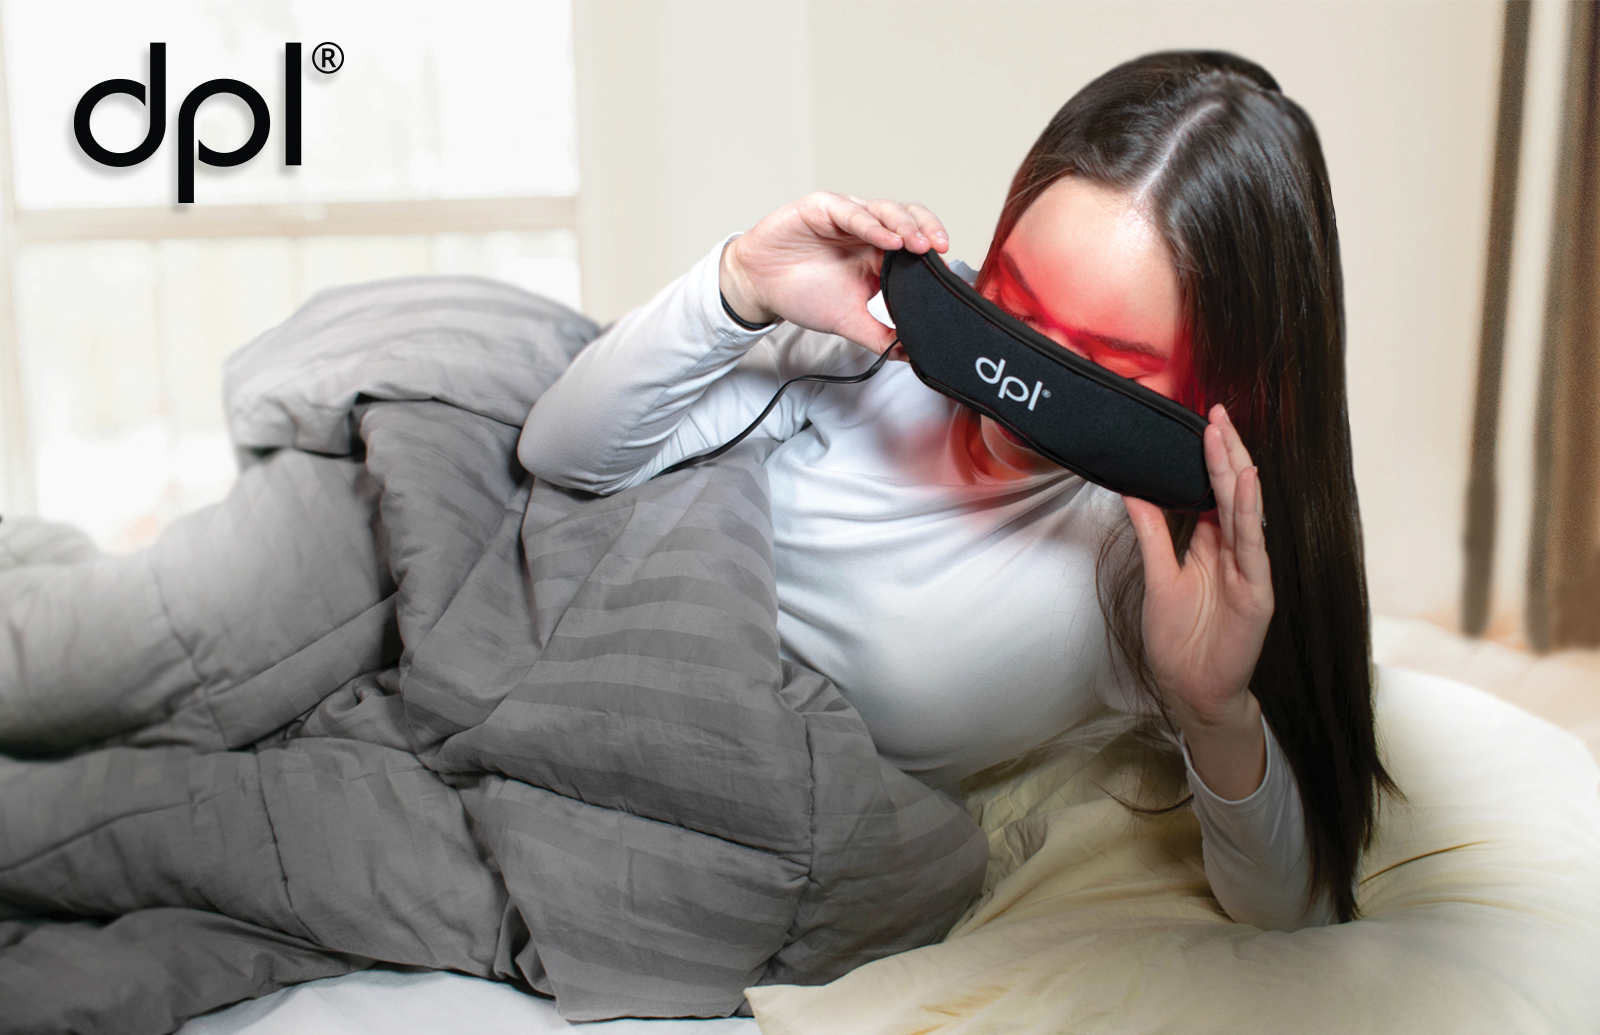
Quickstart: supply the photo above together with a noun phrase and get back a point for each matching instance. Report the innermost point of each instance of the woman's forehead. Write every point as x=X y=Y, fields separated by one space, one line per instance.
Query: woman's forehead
x=1094 y=262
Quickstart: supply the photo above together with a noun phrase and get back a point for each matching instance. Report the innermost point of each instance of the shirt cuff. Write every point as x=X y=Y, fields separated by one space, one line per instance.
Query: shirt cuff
x=1255 y=797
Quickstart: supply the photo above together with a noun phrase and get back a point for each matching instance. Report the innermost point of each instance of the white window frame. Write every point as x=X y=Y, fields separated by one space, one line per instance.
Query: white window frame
x=21 y=228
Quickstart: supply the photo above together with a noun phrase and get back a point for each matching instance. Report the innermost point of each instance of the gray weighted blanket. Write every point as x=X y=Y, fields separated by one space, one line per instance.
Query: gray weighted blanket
x=392 y=701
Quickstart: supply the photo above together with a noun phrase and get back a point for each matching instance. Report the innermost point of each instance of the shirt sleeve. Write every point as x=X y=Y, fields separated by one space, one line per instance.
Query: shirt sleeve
x=673 y=379
x=1256 y=855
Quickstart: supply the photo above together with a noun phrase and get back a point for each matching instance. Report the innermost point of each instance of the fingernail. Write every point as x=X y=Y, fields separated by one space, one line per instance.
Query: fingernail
x=941 y=235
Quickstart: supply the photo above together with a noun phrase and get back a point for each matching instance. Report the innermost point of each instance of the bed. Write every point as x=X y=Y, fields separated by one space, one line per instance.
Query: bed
x=1482 y=893
x=1096 y=922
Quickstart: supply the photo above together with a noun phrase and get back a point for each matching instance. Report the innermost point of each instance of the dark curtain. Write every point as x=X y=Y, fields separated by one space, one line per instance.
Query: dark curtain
x=1564 y=554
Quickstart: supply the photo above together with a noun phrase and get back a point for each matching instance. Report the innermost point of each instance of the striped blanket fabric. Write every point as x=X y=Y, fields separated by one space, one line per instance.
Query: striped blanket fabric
x=394 y=702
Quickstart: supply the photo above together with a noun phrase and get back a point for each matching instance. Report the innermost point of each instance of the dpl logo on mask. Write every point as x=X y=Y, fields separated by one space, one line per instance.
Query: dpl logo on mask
x=157 y=107
x=1014 y=388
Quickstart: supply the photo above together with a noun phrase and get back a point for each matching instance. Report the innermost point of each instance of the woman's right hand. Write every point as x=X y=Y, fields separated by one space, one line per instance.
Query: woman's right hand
x=815 y=262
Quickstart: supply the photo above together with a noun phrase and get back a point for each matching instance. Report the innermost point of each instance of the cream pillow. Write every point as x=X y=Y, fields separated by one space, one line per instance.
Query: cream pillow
x=1481 y=900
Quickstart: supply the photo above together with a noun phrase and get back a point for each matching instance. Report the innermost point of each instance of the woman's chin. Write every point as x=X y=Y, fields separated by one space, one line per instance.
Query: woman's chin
x=1008 y=448
x=1010 y=436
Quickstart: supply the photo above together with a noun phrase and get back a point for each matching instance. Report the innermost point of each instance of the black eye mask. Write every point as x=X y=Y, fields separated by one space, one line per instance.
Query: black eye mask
x=1109 y=429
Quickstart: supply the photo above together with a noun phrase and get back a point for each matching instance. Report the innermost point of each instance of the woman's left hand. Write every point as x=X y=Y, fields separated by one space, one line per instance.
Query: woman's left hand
x=1205 y=620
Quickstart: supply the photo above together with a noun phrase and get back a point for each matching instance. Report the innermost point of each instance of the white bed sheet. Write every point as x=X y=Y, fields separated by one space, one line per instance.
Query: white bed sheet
x=386 y=1002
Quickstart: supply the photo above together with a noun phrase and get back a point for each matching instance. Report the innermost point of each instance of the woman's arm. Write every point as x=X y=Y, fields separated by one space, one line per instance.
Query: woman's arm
x=680 y=375
x=1204 y=623
x=1256 y=857
x=1206 y=619
x=636 y=399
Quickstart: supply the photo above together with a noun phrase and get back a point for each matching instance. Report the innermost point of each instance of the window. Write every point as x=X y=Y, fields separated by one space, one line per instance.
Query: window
x=443 y=144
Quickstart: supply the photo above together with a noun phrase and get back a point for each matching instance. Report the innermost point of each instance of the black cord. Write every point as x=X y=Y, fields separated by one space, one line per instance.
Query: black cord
x=741 y=321
x=830 y=379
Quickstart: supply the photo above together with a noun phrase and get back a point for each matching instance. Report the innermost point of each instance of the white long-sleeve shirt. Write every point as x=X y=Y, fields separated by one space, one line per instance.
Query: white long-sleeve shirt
x=956 y=612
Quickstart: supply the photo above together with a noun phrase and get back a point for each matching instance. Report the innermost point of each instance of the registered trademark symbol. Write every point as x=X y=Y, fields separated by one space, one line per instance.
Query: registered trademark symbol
x=327 y=58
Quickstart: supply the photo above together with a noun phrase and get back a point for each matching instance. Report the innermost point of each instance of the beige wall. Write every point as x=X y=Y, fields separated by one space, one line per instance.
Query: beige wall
x=698 y=117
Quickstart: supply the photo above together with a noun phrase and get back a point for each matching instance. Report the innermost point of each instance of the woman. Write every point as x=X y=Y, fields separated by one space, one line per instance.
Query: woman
x=1174 y=224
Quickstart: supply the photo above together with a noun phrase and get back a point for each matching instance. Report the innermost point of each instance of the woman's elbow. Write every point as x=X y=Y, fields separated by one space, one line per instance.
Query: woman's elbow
x=1276 y=913
x=1271 y=906
x=547 y=464
x=546 y=461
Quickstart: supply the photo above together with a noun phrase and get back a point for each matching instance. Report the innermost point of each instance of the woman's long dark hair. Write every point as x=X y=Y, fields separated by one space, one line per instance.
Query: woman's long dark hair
x=1232 y=175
